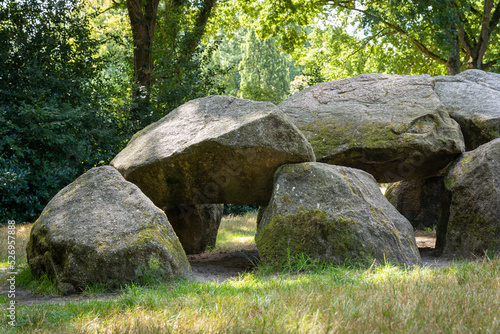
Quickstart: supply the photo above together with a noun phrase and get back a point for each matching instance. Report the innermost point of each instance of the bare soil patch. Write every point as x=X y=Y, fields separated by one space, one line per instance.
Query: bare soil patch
x=219 y=267
x=210 y=267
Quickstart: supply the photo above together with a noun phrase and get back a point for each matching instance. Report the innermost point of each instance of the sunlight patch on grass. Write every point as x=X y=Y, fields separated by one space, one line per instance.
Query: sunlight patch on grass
x=302 y=296
x=236 y=231
x=22 y=238
x=463 y=298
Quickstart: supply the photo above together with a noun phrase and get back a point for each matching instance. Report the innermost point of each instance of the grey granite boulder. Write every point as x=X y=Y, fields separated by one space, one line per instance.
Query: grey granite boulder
x=196 y=226
x=473 y=98
x=103 y=229
x=392 y=126
x=216 y=149
x=332 y=213
x=471 y=225
x=418 y=200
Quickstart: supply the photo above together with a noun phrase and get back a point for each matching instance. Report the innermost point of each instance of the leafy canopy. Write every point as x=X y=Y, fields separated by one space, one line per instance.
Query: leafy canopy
x=54 y=119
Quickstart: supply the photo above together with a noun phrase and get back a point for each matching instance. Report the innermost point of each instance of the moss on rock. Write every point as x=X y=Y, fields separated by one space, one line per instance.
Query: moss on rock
x=470 y=233
x=103 y=229
x=332 y=213
x=310 y=232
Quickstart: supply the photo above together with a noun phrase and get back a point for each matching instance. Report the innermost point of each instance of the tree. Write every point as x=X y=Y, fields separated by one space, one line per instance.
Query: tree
x=55 y=122
x=441 y=29
x=111 y=27
x=142 y=14
x=263 y=70
x=448 y=32
x=180 y=55
x=331 y=53
x=180 y=41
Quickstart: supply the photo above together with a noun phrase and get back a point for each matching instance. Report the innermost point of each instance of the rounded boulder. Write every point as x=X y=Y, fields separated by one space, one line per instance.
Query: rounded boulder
x=103 y=229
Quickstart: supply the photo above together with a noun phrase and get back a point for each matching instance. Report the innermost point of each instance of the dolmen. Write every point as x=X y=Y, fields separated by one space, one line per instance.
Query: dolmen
x=312 y=163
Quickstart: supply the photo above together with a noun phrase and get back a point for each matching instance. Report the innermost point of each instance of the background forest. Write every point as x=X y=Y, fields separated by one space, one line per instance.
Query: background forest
x=78 y=78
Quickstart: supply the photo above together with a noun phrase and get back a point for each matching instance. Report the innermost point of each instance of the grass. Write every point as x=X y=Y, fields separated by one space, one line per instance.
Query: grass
x=236 y=232
x=22 y=237
x=463 y=298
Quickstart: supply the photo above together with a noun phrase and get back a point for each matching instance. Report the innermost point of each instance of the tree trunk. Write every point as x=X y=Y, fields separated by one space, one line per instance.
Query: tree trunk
x=142 y=15
x=453 y=62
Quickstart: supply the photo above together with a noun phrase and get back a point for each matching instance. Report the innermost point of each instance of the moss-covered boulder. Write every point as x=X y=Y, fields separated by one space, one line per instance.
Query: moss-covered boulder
x=103 y=229
x=332 y=213
x=392 y=126
x=471 y=223
x=418 y=200
x=196 y=226
x=216 y=149
x=473 y=98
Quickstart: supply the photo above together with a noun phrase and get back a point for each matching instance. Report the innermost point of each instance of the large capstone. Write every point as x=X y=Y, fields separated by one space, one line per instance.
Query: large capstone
x=103 y=229
x=418 y=200
x=392 y=126
x=332 y=213
x=473 y=98
x=216 y=149
x=196 y=226
x=472 y=223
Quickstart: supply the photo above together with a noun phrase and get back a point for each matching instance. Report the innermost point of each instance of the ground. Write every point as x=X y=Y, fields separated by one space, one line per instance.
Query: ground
x=221 y=265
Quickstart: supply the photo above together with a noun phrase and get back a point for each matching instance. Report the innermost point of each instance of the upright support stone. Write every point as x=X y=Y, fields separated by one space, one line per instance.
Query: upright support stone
x=196 y=226
x=418 y=200
x=103 y=229
x=473 y=100
x=332 y=213
x=470 y=224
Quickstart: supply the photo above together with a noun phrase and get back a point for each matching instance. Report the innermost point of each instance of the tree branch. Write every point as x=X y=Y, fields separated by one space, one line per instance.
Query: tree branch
x=495 y=18
x=474 y=10
x=367 y=40
x=484 y=36
x=490 y=64
x=192 y=39
x=464 y=38
x=113 y=6
x=421 y=47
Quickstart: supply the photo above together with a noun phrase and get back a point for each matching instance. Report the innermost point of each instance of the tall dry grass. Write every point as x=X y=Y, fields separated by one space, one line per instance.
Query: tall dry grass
x=463 y=298
x=22 y=238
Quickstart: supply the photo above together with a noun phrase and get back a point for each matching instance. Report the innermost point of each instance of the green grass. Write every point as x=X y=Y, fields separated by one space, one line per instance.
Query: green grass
x=236 y=232
x=301 y=297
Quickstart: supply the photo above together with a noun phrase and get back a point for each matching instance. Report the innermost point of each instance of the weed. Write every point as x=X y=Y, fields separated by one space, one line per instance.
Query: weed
x=300 y=295
x=42 y=285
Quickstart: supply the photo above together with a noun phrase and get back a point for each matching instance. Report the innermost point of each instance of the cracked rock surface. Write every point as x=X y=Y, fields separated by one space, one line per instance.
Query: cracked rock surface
x=216 y=149
x=332 y=213
x=473 y=99
x=392 y=126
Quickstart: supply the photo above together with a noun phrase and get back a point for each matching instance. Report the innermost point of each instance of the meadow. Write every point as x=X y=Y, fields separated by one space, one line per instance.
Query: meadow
x=299 y=297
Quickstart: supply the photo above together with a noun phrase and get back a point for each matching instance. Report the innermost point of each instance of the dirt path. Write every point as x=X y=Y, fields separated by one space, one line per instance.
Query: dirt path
x=222 y=266
x=218 y=267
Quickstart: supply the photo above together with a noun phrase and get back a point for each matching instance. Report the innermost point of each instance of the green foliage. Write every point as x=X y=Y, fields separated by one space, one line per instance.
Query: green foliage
x=331 y=53
x=55 y=121
x=183 y=68
x=440 y=29
x=404 y=37
x=263 y=70
x=239 y=210
x=227 y=59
